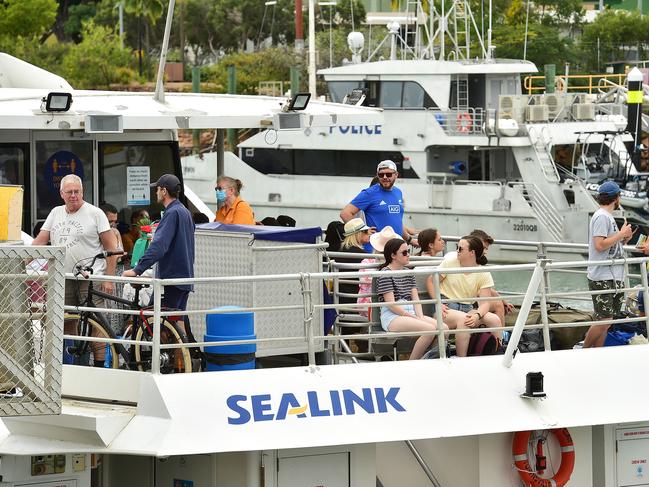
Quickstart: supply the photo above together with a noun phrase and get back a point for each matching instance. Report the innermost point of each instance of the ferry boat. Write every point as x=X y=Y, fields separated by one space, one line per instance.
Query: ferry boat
x=564 y=417
x=472 y=150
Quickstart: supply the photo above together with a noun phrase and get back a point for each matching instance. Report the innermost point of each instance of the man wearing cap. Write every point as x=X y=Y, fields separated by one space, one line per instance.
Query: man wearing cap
x=382 y=203
x=172 y=247
x=605 y=243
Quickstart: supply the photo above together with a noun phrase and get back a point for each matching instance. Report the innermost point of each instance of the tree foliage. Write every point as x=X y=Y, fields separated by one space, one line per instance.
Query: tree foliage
x=26 y=18
x=98 y=60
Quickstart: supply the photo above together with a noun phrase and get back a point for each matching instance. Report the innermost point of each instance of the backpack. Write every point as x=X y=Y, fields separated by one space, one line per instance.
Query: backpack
x=483 y=344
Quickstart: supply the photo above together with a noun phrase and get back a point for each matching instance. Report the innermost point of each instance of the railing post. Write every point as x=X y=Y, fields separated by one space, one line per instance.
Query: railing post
x=643 y=279
x=155 y=350
x=441 y=339
x=307 y=302
x=544 y=309
x=524 y=312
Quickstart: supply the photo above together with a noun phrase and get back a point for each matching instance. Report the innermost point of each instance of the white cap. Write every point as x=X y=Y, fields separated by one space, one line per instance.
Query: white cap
x=387 y=164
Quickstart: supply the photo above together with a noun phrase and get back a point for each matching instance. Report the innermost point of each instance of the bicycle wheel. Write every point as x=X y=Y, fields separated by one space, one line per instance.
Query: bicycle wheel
x=91 y=353
x=171 y=359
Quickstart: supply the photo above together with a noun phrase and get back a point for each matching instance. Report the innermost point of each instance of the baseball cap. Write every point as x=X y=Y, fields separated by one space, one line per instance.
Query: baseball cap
x=387 y=164
x=167 y=181
x=355 y=225
x=609 y=188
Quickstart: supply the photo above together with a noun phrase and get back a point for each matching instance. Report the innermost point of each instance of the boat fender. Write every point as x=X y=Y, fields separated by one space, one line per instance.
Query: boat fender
x=464 y=122
x=522 y=463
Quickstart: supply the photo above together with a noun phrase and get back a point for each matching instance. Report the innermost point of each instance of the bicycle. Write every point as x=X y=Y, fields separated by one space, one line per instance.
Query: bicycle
x=136 y=327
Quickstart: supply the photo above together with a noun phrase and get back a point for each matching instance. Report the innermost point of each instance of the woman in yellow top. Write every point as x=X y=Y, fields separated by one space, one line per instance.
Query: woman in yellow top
x=233 y=209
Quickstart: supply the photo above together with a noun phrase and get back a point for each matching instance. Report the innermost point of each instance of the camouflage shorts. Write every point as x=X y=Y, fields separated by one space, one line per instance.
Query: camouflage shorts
x=606 y=305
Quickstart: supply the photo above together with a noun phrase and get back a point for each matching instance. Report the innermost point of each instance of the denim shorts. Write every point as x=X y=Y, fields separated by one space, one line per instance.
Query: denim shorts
x=465 y=308
x=387 y=315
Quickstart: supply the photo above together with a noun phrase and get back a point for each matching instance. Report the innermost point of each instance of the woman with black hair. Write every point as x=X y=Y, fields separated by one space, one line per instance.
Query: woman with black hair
x=465 y=287
x=397 y=292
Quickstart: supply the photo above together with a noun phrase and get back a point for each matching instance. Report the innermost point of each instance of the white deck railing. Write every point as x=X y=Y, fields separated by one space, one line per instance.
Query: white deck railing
x=538 y=288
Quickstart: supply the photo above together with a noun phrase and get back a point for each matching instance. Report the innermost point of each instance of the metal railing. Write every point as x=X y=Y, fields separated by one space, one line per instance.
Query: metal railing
x=31 y=329
x=310 y=283
x=576 y=82
x=543 y=209
x=461 y=122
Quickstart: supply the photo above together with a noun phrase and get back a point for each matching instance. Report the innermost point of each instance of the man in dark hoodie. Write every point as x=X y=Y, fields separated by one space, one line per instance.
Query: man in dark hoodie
x=172 y=247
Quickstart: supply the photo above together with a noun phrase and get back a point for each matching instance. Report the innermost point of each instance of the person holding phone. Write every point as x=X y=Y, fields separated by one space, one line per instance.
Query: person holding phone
x=605 y=242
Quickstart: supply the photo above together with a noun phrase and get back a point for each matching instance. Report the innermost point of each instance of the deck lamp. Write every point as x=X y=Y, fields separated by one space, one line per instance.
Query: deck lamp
x=299 y=101
x=534 y=385
x=56 y=102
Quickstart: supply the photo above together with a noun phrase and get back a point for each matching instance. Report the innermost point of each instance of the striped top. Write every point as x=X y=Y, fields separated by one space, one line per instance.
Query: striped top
x=401 y=286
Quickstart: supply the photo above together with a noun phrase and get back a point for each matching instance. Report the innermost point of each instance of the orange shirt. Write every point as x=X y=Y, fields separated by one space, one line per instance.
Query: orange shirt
x=239 y=213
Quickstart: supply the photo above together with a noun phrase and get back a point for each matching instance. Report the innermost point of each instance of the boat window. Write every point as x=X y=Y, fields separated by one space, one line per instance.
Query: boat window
x=391 y=92
x=127 y=169
x=14 y=169
x=339 y=89
x=321 y=162
x=58 y=158
x=413 y=95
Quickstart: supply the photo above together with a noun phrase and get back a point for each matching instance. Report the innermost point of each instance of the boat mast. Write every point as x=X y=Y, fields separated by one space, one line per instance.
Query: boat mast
x=159 y=84
x=312 y=48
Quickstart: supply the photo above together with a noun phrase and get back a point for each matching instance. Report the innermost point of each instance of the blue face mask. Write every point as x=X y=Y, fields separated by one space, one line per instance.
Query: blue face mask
x=220 y=195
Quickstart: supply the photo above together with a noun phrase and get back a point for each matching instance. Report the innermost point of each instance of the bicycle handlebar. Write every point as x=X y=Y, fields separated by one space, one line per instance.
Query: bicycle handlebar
x=83 y=269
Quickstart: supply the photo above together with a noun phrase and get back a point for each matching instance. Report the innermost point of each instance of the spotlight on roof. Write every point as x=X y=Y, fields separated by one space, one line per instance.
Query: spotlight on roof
x=299 y=101
x=56 y=102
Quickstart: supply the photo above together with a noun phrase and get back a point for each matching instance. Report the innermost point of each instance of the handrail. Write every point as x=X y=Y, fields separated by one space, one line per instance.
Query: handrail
x=543 y=209
x=310 y=307
x=528 y=81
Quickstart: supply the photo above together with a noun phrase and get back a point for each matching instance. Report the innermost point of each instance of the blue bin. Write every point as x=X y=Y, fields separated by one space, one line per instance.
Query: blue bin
x=230 y=357
x=231 y=324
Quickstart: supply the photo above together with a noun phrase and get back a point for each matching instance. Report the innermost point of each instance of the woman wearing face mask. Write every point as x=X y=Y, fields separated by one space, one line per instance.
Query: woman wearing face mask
x=233 y=209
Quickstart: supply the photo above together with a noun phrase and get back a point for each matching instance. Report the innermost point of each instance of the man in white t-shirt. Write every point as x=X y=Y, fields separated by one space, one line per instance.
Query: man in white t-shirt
x=83 y=230
x=605 y=243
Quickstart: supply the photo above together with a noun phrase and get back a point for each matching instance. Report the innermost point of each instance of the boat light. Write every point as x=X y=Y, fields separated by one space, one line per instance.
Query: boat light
x=534 y=385
x=56 y=102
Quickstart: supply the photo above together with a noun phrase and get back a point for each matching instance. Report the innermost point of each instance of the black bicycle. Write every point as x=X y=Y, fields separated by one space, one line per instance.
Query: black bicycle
x=135 y=327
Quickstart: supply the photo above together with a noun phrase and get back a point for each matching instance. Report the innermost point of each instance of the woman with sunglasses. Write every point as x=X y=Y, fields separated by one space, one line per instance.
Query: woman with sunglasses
x=397 y=292
x=465 y=287
x=233 y=210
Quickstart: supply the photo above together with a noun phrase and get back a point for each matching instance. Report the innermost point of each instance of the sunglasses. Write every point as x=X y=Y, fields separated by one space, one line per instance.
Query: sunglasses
x=386 y=175
x=405 y=252
x=461 y=249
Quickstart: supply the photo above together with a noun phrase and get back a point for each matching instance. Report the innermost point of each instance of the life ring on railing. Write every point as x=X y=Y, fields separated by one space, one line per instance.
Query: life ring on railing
x=464 y=122
x=529 y=476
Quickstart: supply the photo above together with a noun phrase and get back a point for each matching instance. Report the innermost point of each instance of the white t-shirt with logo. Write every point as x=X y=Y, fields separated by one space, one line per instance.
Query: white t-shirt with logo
x=78 y=233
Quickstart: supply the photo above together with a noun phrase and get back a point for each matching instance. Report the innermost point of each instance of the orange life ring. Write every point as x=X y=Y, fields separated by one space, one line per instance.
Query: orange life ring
x=464 y=122
x=529 y=476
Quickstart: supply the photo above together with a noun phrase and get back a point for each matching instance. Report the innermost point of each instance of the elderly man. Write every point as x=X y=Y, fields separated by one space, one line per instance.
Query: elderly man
x=84 y=231
x=382 y=203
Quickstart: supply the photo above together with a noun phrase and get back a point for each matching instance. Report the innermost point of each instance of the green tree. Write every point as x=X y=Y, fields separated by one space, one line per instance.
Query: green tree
x=98 y=60
x=26 y=18
x=610 y=36
x=77 y=14
x=268 y=65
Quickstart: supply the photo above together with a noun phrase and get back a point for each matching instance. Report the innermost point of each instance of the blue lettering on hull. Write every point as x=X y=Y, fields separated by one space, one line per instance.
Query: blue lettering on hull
x=345 y=402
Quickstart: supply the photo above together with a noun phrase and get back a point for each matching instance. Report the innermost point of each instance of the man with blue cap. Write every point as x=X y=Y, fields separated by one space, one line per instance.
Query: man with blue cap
x=605 y=243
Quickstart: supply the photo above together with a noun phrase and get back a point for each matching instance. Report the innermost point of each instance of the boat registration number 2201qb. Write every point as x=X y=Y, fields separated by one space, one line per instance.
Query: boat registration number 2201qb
x=344 y=402
x=524 y=227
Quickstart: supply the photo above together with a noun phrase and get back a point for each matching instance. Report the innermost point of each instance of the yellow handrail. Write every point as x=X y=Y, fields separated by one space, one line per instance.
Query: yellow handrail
x=575 y=82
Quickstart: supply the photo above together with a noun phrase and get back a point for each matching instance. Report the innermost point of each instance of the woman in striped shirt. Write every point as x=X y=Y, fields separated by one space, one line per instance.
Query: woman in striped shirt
x=404 y=316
